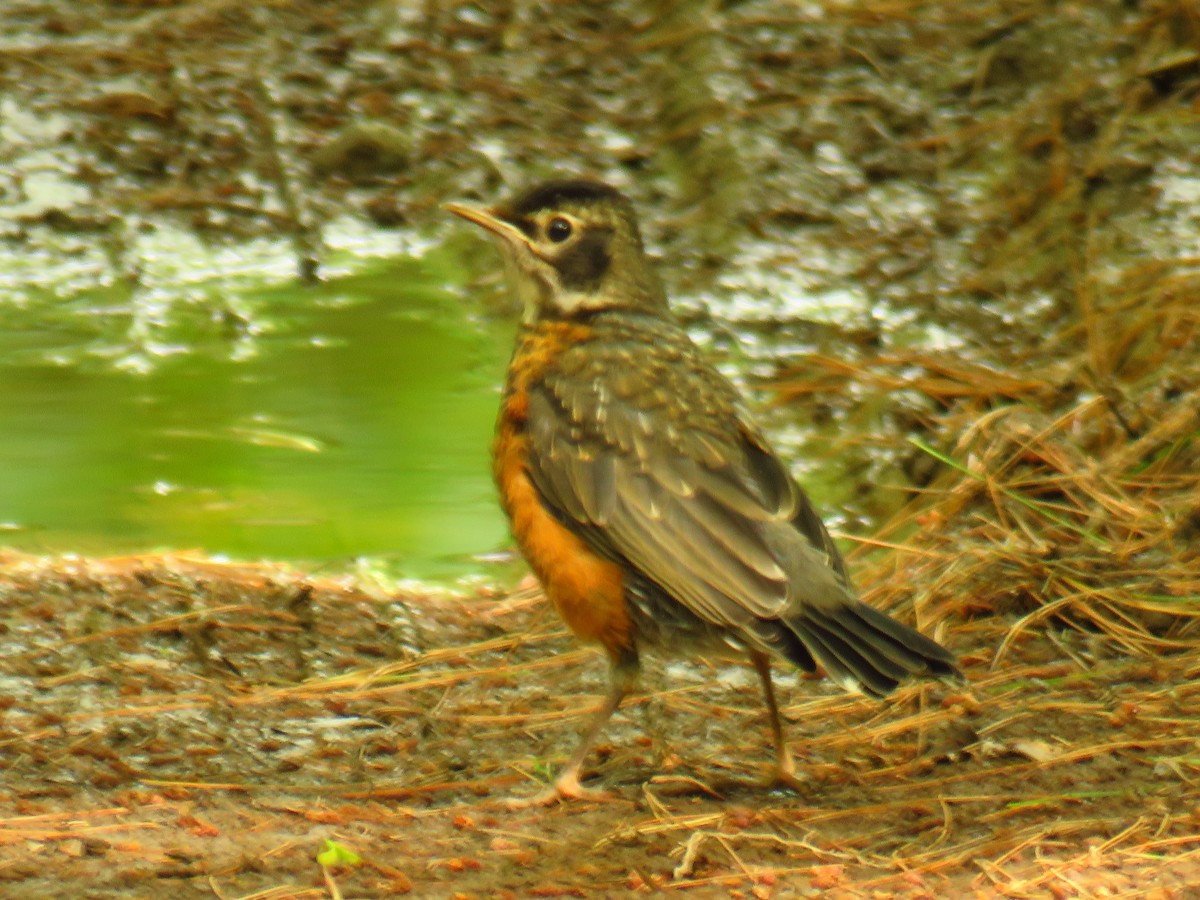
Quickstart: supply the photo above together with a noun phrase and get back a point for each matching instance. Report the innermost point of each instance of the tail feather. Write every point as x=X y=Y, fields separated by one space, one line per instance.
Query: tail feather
x=848 y=661
x=844 y=673
x=862 y=648
x=932 y=656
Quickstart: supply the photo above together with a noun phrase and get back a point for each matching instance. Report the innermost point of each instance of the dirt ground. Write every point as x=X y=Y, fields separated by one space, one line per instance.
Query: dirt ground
x=1014 y=172
x=177 y=727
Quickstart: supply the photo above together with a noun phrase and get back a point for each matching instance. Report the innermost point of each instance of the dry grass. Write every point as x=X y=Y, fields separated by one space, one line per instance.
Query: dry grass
x=1063 y=496
x=174 y=686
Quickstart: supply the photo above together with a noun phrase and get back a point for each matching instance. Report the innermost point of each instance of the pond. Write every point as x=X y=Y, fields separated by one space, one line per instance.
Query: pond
x=352 y=418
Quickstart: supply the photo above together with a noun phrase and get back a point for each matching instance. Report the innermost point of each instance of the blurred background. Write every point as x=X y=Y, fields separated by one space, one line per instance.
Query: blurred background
x=233 y=317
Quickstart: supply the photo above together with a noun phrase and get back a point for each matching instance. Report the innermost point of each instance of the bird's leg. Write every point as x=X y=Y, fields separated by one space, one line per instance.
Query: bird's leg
x=785 y=766
x=622 y=676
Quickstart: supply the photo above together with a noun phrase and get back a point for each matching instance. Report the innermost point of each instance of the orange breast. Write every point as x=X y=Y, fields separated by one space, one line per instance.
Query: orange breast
x=587 y=590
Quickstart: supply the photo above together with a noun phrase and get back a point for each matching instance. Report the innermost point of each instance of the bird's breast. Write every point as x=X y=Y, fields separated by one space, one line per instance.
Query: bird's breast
x=587 y=590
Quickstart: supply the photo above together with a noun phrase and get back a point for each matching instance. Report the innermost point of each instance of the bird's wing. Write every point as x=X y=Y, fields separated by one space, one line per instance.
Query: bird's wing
x=651 y=460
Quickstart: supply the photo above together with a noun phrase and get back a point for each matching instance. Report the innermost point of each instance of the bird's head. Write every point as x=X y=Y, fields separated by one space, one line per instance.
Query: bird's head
x=571 y=248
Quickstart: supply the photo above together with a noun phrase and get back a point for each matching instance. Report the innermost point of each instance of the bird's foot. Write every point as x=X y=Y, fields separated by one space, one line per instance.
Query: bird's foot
x=783 y=775
x=789 y=780
x=566 y=787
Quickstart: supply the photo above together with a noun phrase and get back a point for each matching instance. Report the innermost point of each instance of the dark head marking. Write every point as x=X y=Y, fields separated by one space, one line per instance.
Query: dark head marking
x=581 y=249
x=584 y=265
x=554 y=195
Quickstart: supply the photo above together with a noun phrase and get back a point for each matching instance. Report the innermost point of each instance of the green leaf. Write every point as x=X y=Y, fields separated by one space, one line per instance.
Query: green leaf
x=335 y=854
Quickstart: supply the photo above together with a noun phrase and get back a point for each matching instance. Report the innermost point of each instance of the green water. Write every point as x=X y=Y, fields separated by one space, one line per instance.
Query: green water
x=348 y=420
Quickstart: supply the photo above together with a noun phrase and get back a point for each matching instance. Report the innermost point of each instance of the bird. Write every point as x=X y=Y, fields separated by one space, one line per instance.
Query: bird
x=652 y=509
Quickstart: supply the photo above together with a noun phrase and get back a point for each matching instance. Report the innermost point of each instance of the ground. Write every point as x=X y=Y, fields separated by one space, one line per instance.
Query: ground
x=175 y=726
x=1006 y=193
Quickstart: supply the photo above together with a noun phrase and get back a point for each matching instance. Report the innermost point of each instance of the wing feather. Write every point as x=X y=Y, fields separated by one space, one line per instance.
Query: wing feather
x=644 y=545
x=696 y=504
x=646 y=453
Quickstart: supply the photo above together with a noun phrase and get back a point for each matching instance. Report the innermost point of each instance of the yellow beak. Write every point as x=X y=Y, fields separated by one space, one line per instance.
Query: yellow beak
x=488 y=219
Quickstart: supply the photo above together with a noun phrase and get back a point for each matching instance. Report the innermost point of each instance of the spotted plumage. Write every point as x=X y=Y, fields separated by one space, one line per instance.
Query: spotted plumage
x=649 y=504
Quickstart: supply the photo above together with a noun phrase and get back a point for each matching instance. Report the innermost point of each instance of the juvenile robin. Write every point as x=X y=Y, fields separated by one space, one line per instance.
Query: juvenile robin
x=645 y=499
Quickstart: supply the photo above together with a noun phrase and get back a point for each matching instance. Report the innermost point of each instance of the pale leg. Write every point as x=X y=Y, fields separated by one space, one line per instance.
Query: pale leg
x=622 y=678
x=785 y=766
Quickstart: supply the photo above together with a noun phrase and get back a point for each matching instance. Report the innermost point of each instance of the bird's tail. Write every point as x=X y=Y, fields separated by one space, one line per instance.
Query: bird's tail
x=864 y=649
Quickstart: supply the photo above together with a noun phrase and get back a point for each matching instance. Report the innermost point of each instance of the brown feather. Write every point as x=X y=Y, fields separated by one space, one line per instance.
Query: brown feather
x=666 y=476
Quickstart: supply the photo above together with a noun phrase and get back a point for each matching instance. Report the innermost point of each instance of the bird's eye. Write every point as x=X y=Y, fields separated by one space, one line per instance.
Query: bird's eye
x=558 y=230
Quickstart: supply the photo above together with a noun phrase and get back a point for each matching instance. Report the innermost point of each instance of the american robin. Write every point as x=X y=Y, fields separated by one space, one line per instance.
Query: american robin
x=645 y=499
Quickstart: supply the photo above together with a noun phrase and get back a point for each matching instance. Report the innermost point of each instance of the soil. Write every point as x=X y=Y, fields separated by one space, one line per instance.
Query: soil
x=179 y=727
x=174 y=726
